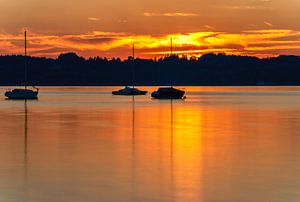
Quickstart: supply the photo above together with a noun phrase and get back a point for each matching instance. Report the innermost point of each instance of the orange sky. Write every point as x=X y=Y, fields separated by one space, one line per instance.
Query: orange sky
x=108 y=28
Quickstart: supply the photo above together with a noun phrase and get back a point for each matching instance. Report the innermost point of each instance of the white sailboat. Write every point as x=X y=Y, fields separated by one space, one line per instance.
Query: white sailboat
x=23 y=93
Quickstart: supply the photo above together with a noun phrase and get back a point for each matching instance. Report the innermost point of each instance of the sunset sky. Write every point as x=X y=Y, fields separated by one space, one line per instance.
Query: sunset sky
x=109 y=28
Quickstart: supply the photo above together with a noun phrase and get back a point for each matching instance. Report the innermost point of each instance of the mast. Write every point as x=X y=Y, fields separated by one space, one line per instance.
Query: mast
x=25 y=45
x=171 y=54
x=133 y=51
x=171 y=46
x=133 y=66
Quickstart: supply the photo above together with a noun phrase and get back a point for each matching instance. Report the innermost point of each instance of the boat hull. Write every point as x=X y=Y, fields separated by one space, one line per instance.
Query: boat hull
x=22 y=95
x=129 y=91
x=168 y=93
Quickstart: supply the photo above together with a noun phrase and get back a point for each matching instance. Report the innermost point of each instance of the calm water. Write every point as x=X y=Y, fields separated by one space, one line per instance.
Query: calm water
x=220 y=144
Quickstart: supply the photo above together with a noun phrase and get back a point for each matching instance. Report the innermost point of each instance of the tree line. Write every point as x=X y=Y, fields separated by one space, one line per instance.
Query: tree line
x=210 y=69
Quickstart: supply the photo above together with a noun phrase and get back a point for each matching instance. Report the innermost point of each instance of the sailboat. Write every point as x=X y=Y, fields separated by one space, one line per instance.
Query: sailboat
x=168 y=92
x=130 y=90
x=23 y=93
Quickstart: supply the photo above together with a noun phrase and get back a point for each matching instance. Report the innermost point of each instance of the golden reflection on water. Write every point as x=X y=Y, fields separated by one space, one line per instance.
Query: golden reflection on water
x=220 y=144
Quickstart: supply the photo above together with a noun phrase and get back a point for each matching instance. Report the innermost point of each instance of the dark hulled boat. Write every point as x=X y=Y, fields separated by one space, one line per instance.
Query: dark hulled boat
x=23 y=93
x=129 y=91
x=168 y=93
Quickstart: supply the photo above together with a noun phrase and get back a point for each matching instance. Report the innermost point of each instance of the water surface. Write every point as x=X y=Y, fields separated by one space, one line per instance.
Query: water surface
x=84 y=144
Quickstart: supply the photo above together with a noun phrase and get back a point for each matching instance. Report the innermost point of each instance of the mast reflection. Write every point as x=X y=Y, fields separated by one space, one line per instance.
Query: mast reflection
x=25 y=178
x=25 y=134
x=133 y=156
x=172 y=151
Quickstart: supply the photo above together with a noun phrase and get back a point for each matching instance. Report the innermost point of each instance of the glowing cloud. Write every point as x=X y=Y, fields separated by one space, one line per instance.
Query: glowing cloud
x=261 y=43
x=93 y=19
x=247 y=7
x=268 y=24
x=177 y=14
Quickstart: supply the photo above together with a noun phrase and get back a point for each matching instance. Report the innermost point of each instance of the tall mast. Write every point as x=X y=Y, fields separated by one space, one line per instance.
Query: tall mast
x=133 y=66
x=171 y=46
x=172 y=55
x=133 y=51
x=25 y=45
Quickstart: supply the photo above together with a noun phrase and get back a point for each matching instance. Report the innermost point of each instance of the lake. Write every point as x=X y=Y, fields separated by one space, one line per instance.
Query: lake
x=221 y=144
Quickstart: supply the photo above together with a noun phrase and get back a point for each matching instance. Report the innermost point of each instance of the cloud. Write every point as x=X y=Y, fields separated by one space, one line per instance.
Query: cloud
x=53 y=51
x=268 y=24
x=262 y=43
x=122 y=21
x=90 y=40
x=93 y=19
x=176 y=14
x=247 y=7
x=265 y=0
x=208 y=27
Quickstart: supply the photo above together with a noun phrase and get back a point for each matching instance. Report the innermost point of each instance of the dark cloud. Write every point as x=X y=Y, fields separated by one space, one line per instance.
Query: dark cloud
x=50 y=50
x=95 y=40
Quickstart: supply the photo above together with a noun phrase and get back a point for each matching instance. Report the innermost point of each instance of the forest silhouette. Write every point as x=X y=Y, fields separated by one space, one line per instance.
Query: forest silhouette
x=210 y=69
